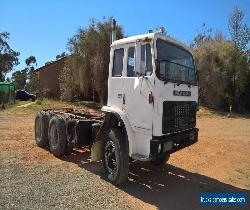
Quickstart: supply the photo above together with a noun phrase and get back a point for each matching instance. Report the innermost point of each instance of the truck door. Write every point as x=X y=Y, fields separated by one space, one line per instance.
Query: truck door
x=115 y=89
x=138 y=71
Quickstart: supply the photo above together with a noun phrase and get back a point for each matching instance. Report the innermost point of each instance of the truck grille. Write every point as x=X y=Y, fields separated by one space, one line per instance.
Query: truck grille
x=178 y=115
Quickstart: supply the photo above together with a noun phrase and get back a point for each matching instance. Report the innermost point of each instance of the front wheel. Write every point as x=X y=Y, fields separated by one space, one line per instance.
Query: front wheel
x=115 y=156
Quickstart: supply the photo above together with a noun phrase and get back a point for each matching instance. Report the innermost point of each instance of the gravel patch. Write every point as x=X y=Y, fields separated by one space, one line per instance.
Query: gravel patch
x=47 y=187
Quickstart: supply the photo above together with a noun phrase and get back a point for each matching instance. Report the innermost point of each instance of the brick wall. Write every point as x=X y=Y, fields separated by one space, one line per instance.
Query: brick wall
x=48 y=79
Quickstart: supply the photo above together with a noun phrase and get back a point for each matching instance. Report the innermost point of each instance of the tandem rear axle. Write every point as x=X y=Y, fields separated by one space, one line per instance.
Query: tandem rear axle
x=62 y=130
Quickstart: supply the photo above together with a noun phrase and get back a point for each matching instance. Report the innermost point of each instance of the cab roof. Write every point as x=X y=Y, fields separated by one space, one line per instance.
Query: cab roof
x=155 y=35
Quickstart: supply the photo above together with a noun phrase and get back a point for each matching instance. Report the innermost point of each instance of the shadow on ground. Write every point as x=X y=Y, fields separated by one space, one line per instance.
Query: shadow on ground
x=169 y=187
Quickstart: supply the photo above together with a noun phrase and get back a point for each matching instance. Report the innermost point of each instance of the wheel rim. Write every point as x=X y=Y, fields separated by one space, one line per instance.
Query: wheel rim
x=38 y=128
x=53 y=134
x=110 y=157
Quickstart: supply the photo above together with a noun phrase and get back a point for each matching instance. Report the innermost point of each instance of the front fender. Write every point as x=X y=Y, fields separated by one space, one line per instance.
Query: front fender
x=122 y=116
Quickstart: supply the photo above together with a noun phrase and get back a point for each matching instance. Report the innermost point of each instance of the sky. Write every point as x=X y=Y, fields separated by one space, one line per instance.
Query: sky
x=43 y=27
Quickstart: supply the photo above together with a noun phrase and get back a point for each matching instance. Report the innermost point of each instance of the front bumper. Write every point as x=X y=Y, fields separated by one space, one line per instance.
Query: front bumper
x=160 y=145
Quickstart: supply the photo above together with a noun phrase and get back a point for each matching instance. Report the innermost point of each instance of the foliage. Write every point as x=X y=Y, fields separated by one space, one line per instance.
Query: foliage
x=30 y=60
x=60 y=56
x=8 y=57
x=91 y=46
x=69 y=78
x=19 y=78
x=27 y=78
x=32 y=78
x=46 y=92
x=239 y=31
x=223 y=71
x=32 y=84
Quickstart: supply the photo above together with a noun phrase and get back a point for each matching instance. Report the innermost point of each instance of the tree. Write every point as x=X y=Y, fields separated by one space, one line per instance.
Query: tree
x=19 y=78
x=69 y=78
x=223 y=71
x=203 y=36
x=91 y=45
x=239 y=31
x=210 y=67
x=32 y=78
x=240 y=34
x=26 y=78
x=30 y=61
x=60 y=56
x=8 y=57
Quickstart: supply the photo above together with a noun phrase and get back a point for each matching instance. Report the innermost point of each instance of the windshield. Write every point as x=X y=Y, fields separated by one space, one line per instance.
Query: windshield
x=174 y=63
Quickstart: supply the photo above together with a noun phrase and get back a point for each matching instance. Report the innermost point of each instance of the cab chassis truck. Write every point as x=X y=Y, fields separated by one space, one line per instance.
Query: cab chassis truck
x=150 y=112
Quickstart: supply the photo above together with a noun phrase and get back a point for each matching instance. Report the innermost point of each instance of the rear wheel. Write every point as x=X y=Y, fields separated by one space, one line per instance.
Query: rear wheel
x=41 y=129
x=115 y=156
x=57 y=136
x=70 y=126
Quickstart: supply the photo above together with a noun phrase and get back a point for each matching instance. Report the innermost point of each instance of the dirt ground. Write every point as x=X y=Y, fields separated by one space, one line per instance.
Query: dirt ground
x=219 y=162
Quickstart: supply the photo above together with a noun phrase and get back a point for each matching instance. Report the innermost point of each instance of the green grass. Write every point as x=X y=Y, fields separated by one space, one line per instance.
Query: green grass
x=36 y=106
x=44 y=103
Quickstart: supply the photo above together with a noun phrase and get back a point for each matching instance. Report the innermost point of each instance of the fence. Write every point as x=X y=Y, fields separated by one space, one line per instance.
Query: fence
x=7 y=93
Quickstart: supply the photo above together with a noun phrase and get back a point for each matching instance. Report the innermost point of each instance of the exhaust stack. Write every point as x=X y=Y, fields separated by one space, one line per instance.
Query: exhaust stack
x=113 y=38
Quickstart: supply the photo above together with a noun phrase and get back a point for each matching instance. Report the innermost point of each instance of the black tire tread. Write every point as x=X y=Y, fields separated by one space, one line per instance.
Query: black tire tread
x=59 y=150
x=42 y=140
x=115 y=134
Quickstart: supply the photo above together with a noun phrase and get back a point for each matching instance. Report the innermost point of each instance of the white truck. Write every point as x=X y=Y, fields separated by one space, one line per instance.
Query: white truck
x=150 y=113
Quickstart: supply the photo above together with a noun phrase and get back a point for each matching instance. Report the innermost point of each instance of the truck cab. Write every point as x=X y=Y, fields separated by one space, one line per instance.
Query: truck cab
x=153 y=89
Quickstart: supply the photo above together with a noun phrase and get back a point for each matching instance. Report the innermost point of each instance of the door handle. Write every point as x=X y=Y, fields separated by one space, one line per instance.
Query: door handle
x=119 y=95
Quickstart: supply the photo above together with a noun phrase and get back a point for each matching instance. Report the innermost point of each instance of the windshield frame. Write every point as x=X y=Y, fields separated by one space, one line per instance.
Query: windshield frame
x=165 y=79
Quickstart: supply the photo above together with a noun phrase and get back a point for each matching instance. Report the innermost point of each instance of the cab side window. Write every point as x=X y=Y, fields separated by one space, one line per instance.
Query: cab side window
x=131 y=62
x=118 y=62
x=146 y=60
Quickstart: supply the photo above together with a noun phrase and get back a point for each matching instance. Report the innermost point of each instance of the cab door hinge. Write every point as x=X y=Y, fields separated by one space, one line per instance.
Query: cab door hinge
x=151 y=98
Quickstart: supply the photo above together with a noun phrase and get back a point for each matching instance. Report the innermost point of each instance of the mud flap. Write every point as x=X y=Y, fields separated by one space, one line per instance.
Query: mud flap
x=96 y=151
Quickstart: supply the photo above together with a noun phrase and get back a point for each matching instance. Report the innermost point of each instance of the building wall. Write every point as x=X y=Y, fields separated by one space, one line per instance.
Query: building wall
x=48 y=79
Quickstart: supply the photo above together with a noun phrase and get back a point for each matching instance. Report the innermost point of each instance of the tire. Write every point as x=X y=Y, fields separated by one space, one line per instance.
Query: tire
x=115 y=150
x=41 y=129
x=57 y=136
x=69 y=148
x=161 y=161
x=33 y=98
x=70 y=126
